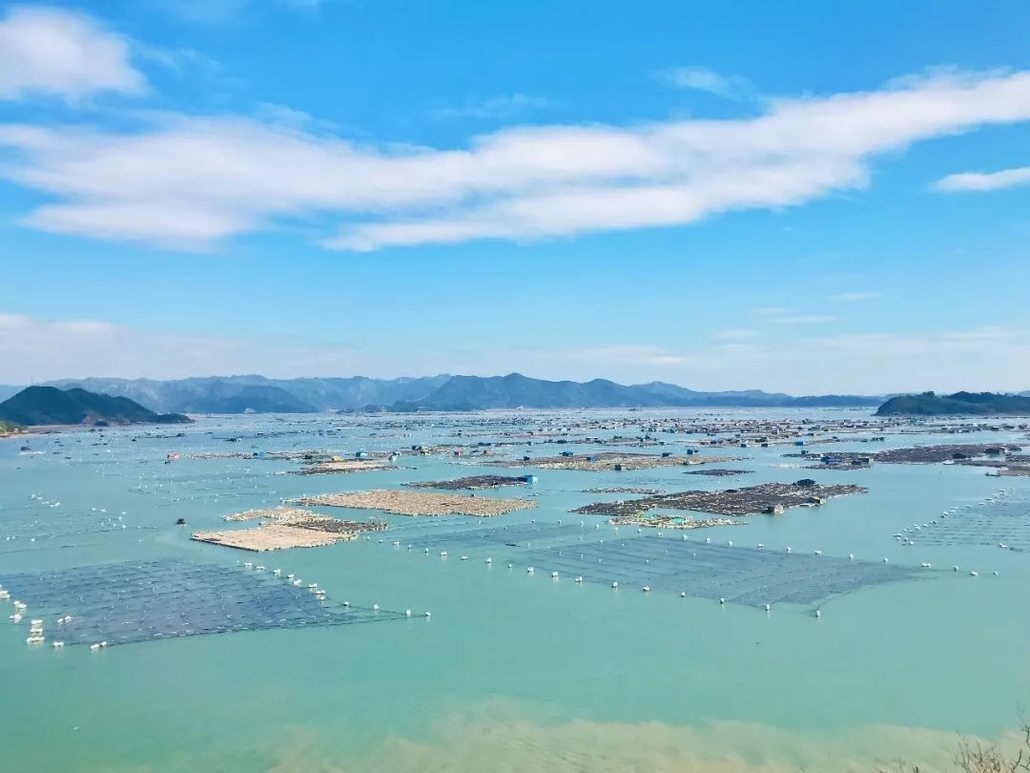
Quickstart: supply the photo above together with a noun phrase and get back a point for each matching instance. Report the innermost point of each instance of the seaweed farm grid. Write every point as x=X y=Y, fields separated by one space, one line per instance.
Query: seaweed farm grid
x=747 y=576
x=1002 y=521
x=738 y=575
x=130 y=602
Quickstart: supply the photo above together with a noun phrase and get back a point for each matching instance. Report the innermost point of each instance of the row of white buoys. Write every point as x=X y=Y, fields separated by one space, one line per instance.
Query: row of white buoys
x=97 y=646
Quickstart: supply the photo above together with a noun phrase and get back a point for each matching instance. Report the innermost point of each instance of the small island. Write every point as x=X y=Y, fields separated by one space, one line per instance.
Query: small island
x=39 y=406
x=957 y=404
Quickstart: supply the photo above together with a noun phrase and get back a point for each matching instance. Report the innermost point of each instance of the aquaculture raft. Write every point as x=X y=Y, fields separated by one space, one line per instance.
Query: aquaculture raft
x=136 y=601
x=418 y=503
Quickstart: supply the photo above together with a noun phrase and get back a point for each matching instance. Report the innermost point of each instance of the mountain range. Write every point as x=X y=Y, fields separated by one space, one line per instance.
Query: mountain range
x=240 y=394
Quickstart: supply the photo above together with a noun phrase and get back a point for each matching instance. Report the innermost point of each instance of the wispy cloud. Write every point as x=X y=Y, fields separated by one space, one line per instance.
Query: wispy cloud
x=856 y=296
x=739 y=334
x=780 y=316
x=34 y=349
x=989 y=181
x=500 y=107
x=699 y=78
x=189 y=181
x=804 y=319
x=56 y=52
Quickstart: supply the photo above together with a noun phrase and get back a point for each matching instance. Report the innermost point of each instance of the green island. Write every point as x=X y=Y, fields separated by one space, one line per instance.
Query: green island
x=37 y=406
x=957 y=404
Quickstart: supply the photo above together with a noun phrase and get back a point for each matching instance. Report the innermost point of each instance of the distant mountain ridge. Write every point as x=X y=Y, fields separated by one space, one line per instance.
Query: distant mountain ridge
x=239 y=394
x=957 y=404
x=45 y=405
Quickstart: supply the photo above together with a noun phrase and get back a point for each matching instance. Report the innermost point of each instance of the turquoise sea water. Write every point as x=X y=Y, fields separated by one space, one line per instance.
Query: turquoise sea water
x=513 y=671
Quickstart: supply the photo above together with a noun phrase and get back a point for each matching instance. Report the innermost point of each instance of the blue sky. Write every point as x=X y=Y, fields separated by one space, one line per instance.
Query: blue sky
x=798 y=196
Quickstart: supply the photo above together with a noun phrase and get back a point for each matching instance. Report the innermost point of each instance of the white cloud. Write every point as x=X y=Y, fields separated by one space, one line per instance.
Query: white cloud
x=504 y=106
x=804 y=319
x=856 y=296
x=703 y=79
x=190 y=181
x=780 y=316
x=977 y=181
x=33 y=350
x=54 y=51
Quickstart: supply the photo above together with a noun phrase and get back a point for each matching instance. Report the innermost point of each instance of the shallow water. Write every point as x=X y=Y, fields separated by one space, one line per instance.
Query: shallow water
x=515 y=668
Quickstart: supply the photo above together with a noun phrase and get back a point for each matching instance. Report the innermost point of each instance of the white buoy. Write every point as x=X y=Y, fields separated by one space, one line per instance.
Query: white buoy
x=722 y=601
x=554 y=575
x=375 y=607
x=818 y=552
x=646 y=589
x=768 y=607
x=818 y=613
x=615 y=584
x=489 y=561
x=464 y=558
x=974 y=574
x=708 y=540
x=788 y=548
x=579 y=580
x=683 y=594
x=407 y=613
x=429 y=614
x=851 y=556
x=529 y=570
x=885 y=560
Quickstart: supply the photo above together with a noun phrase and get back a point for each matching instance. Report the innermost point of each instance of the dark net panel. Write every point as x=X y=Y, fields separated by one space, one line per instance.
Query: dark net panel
x=130 y=602
x=739 y=575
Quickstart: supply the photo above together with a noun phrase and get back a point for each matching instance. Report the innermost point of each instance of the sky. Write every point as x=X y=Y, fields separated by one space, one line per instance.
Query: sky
x=799 y=196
